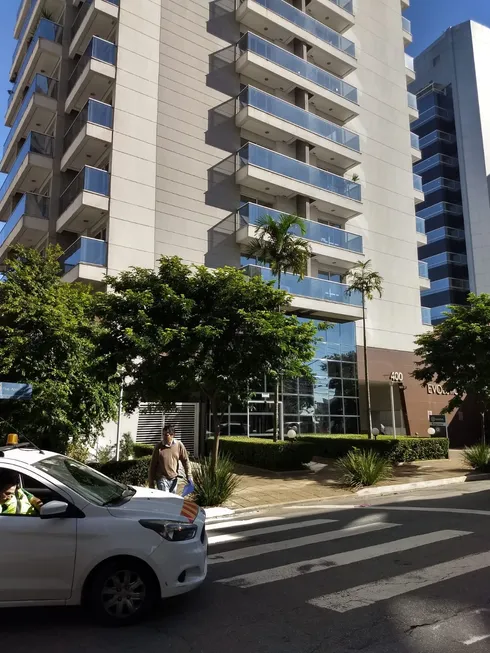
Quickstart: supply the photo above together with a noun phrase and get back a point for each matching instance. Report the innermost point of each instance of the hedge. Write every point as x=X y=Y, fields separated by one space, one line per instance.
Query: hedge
x=266 y=454
x=129 y=472
x=397 y=450
x=142 y=450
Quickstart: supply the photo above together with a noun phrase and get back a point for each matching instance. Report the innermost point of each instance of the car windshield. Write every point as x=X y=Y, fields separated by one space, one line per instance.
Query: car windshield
x=87 y=482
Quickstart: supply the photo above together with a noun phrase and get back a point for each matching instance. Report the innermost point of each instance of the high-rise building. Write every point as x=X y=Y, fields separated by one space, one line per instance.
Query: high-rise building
x=142 y=128
x=454 y=131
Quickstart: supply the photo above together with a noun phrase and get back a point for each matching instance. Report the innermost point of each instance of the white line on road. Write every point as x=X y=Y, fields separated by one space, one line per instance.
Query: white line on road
x=371 y=593
x=222 y=525
x=273 y=547
x=380 y=507
x=220 y=539
x=474 y=640
x=339 y=559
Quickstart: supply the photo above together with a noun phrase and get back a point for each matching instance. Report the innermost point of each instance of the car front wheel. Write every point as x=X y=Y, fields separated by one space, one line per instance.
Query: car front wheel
x=122 y=592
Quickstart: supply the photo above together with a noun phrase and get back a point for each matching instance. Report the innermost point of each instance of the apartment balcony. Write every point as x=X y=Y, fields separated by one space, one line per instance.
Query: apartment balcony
x=275 y=67
x=409 y=68
x=405 y=4
x=418 y=189
x=42 y=56
x=314 y=296
x=441 y=183
x=407 y=31
x=424 y=281
x=30 y=170
x=51 y=8
x=426 y=316
x=280 y=21
x=440 y=207
x=276 y=174
x=85 y=260
x=415 y=147
x=436 y=135
x=93 y=74
x=339 y=14
x=36 y=112
x=278 y=120
x=85 y=200
x=27 y=224
x=420 y=230
x=329 y=245
x=94 y=18
x=89 y=135
x=413 y=111
x=437 y=160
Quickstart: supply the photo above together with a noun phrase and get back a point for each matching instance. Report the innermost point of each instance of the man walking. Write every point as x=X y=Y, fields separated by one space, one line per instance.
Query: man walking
x=164 y=464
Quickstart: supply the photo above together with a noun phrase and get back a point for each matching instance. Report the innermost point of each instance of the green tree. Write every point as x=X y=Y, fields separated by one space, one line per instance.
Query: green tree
x=49 y=337
x=364 y=280
x=456 y=354
x=187 y=329
x=279 y=243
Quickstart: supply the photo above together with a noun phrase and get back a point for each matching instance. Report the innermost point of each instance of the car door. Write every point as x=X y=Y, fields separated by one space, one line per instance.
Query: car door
x=37 y=556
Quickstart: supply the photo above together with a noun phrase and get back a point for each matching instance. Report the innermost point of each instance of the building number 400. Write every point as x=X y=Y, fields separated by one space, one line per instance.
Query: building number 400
x=396 y=377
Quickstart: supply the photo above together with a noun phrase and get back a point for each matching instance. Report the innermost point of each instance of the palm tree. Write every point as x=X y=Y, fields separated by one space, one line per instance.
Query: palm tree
x=363 y=279
x=279 y=243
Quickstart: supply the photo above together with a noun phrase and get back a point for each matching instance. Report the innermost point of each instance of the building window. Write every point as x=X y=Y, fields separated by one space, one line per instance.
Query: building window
x=436 y=60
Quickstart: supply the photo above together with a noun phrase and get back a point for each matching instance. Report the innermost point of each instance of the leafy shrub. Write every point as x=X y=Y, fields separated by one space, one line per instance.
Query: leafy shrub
x=78 y=450
x=213 y=488
x=396 y=450
x=266 y=454
x=360 y=468
x=477 y=456
x=126 y=450
x=130 y=472
x=105 y=454
x=142 y=450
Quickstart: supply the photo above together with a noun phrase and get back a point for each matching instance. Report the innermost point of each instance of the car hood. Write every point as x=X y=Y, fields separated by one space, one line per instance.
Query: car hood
x=155 y=504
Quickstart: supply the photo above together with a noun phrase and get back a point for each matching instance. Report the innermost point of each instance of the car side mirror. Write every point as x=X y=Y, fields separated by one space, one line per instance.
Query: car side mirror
x=53 y=510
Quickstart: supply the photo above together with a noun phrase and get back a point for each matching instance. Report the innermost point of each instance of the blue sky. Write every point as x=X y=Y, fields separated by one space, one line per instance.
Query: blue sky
x=429 y=20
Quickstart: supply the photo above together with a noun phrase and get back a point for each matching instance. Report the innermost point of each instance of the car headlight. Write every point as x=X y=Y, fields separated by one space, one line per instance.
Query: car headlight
x=173 y=531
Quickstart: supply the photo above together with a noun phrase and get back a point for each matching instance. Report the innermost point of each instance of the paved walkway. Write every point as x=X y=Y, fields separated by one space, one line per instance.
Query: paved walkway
x=259 y=488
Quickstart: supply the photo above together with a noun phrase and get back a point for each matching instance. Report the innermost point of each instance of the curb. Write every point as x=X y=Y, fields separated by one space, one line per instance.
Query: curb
x=219 y=514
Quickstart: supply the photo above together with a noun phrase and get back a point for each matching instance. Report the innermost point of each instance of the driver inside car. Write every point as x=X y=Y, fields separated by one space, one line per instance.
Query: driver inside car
x=13 y=499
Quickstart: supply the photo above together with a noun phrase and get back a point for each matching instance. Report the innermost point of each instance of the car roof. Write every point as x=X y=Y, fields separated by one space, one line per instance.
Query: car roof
x=24 y=455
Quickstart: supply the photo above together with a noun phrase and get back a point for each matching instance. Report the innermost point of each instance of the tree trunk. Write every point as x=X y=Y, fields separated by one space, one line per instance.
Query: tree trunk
x=483 y=434
x=215 y=452
x=366 y=370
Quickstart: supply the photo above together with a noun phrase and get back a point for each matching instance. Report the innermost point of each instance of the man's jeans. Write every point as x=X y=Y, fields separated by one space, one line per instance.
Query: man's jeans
x=167 y=485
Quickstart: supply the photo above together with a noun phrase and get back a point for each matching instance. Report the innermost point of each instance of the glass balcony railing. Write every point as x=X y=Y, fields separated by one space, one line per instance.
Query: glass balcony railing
x=95 y=112
x=446 y=258
x=34 y=206
x=274 y=106
x=23 y=29
x=253 y=43
x=45 y=30
x=348 y=5
x=430 y=114
x=417 y=183
x=90 y=251
x=440 y=312
x=407 y=25
x=98 y=49
x=442 y=184
x=409 y=62
x=420 y=225
x=440 y=207
x=258 y=156
x=423 y=270
x=249 y=214
x=35 y=144
x=426 y=317
x=311 y=287
x=448 y=283
x=315 y=27
x=42 y=85
x=412 y=101
x=442 y=233
x=436 y=135
x=434 y=161
x=414 y=141
x=92 y=180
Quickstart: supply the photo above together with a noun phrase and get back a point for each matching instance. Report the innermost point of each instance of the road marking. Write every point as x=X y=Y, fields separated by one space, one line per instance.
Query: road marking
x=284 y=545
x=339 y=559
x=474 y=640
x=371 y=593
x=380 y=507
x=219 y=539
x=222 y=525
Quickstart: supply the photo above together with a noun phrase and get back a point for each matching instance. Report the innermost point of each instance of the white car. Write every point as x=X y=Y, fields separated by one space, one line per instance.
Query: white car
x=96 y=542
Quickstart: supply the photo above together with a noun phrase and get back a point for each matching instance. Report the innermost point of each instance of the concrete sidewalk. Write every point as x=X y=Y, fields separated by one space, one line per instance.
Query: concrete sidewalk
x=260 y=488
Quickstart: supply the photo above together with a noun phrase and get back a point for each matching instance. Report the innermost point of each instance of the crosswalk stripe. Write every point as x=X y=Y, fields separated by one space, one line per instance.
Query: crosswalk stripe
x=338 y=559
x=371 y=593
x=232 y=537
x=283 y=545
x=223 y=525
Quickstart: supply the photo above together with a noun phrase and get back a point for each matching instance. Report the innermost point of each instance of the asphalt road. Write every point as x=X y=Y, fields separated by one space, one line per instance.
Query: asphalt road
x=402 y=574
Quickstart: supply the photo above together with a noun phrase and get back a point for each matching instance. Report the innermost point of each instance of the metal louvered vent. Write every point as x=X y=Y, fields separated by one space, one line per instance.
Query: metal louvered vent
x=184 y=418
